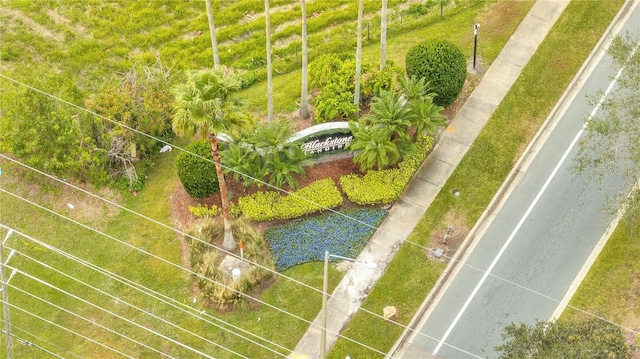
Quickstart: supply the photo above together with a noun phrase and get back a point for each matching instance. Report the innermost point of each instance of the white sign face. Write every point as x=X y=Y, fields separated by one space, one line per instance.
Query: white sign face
x=327 y=144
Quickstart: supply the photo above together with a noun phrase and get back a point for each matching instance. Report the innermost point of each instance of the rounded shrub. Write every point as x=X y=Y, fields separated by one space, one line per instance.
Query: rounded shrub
x=442 y=65
x=198 y=175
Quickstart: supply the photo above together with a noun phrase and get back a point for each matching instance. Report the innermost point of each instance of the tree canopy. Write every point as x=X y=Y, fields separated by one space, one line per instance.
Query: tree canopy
x=612 y=139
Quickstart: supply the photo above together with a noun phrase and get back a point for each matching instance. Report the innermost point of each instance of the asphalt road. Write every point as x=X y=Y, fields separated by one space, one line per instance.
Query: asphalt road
x=537 y=243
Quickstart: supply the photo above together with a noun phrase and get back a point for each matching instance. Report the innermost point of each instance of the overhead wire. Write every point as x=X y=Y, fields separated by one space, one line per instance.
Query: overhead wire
x=143 y=290
x=301 y=283
x=31 y=344
x=68 y=330
x=13 y=326
x=110 y=330
x=155 y=295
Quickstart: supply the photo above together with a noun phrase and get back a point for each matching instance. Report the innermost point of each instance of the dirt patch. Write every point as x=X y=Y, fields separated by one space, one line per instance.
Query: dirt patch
x=448 y=239
x=19 y=20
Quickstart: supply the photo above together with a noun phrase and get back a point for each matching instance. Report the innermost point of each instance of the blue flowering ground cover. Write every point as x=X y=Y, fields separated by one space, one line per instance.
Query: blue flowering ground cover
x=344 y=234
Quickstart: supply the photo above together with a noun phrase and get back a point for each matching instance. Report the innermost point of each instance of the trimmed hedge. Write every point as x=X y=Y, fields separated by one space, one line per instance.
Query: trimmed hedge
x=386 y=186
x=342 y=233
x=270 y=205
x=197 y=174
x=442 y=65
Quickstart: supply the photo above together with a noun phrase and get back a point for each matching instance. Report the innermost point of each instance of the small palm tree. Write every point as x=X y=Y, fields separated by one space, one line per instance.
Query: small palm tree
x=281 y=160
x=204 y=105
x=426 y=116
x=390 y=111
x=373 y=146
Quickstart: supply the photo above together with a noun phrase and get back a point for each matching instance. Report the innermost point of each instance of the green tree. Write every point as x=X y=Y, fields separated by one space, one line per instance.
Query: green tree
x=47 y=134
x=389 y=110
x=592 y=338
x=205 y=105
x=140 y=101
x=612 y=139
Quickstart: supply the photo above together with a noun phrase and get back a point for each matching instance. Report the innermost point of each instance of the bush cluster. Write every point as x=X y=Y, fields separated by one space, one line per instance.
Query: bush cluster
x=341 y=233
x=218 y=289
x=201 y=211
x=442 y=65
x=386 y=186
x=197 y=174
x=270 y=205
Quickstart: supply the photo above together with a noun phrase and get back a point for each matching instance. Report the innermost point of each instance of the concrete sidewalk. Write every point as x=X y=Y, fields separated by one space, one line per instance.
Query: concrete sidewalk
x=432 y=175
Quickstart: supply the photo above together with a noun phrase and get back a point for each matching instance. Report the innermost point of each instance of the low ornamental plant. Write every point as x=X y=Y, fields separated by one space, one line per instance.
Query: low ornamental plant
x=342 y=233
x=386 y=186
x=270 y=205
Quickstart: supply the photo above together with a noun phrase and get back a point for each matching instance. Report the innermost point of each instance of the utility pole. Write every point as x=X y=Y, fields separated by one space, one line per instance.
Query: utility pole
x=5 y=298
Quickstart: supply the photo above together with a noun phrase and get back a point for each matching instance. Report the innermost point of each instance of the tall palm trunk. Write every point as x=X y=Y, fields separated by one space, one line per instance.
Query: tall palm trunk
x=383 y=35
x=212 y=30
x=304 y=107
x=269 y=67
x=228 y=243
x=356 y=96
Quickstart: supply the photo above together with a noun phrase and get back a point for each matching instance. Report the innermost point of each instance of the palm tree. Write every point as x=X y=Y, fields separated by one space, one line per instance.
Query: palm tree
x=269 y=67
x=383 y=35
x=389 y=110
x=281 y=160
x=212 y=30
x=356 y=96
x=304 y=107
x=426 y=116
x=373 y=146
x=204 y=105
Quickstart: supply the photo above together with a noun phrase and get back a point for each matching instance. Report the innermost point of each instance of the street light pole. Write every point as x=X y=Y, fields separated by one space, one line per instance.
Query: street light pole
x=475 y=43
x=325 y=289
x=5 y=298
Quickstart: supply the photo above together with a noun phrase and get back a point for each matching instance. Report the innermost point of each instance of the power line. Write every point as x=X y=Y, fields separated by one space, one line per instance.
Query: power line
x=69 y=330
x=255 y=179
x=31 y=344
x=13 y=326
x=155 y=295
x=81 y=317
x=120 y=300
